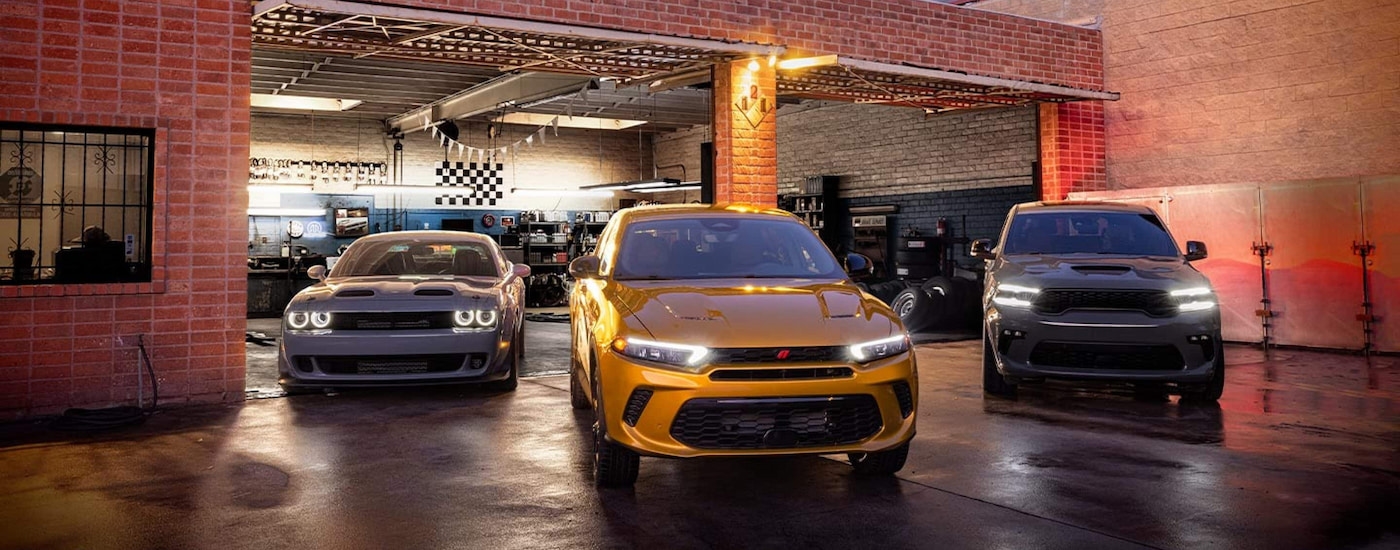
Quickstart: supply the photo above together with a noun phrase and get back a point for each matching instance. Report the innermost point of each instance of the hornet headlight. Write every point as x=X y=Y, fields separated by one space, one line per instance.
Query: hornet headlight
x=1194 y=299
x=875 y=350
x=1015 y=296
x=685 y=357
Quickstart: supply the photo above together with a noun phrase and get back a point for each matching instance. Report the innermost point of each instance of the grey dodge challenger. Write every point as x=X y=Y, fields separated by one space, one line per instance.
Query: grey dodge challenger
x=408 y=308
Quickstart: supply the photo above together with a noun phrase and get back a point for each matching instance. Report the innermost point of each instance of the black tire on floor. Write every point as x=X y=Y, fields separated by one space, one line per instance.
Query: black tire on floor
x=1211 y=391
x=885 y=462
x=993 y=383
x=970 y=314
x=915 y=308
x=613 y=464
x=951 y=304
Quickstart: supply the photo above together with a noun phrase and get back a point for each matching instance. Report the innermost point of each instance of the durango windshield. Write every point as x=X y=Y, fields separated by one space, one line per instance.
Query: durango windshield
x=427 y=257
x=715 y=247
x=1125 y=233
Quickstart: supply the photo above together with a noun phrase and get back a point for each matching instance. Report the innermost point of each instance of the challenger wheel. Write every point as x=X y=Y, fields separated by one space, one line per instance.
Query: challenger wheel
x=880 y=463
x=517 y=358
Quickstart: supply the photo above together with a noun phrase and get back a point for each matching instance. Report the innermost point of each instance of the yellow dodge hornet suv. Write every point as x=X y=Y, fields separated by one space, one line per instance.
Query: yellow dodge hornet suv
x=730 y=331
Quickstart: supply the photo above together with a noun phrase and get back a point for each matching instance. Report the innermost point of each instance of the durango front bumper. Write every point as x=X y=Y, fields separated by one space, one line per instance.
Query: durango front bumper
x=1116 y=345
x=664 y=412
x=343 y=358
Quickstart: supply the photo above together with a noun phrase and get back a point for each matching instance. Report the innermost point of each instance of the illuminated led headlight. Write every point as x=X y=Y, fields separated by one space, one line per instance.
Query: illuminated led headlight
x=879 y=349
x=476 y=318
x=1194 y=299
x=677 y=355
x=321 y=319
x=298 y=319
x=1015 y=296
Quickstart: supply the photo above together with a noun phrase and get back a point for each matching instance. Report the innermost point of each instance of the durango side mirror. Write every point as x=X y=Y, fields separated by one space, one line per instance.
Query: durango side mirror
x=585 y=267
x=317 y=272
x=859 y=266
x=982 y=249
x=520 y=270
x=1195 y=250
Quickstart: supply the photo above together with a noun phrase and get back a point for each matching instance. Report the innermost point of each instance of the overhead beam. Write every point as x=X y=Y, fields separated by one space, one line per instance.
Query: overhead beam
x=490 y=96
x=975 y=80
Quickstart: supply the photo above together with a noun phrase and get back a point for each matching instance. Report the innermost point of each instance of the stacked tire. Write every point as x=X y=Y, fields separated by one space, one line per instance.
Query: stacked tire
x=917 y=258
x=940 y=303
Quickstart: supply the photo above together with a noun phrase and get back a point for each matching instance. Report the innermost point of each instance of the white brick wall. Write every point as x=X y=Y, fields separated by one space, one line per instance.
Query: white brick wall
x=576 y=157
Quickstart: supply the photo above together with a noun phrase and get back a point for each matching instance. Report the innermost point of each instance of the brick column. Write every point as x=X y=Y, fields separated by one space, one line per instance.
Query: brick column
x=1071 y=149
x=746 y=133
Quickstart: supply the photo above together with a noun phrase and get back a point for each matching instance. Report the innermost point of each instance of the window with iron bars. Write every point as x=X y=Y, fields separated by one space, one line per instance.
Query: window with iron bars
x=75 y=203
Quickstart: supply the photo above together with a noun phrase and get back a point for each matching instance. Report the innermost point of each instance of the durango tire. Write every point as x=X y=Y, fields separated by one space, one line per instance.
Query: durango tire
x=993 y=383
x=1211 y=391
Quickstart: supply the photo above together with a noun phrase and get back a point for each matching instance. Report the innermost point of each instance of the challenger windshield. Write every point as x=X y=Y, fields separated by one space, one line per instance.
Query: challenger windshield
x=1124 y=233
x=426 y=257
x=714 y=247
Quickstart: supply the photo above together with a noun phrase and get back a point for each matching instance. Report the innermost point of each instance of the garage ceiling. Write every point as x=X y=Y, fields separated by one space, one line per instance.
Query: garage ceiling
x=386 y=86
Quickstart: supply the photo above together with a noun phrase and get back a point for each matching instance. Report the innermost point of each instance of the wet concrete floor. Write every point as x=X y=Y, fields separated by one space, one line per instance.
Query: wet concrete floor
x=1303 y=452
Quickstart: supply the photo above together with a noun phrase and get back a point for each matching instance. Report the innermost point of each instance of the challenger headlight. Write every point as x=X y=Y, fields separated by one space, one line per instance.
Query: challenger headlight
x=298 y=319
x=684 y=356
x=1015 y=296
x=476 y=319
x=321 y=319
x=873 y=350
x=1194 y=299
x=309 y=322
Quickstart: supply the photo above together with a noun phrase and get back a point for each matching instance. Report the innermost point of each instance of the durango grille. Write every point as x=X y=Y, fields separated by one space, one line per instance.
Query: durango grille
x=399 y=320
x=1057 y=301
x=388 y=364
x=768 y=423
x=1107 y=356
x=735 y=356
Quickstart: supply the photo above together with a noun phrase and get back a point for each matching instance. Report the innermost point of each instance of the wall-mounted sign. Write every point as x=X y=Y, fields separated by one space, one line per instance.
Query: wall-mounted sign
x=20 y=184
x=753 y=104
x=351 y=222
x=295 y=229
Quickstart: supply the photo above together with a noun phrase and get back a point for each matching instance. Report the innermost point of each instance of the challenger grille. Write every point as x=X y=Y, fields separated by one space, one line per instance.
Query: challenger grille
x=398 y=320
x=389 y=364
x=776 y=423
x=1057 y=301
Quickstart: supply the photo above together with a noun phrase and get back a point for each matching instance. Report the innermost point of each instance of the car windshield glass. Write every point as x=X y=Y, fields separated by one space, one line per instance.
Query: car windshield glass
x=1078 y=232
x=712 y=247
x=425 y=257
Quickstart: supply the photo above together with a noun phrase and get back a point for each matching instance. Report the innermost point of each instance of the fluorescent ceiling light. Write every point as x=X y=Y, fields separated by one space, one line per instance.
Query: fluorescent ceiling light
x=280 y=188
x=406 y=190
x=806 y=62
x=303 y=103
x=286 y=211
x=527 y=192
x=588 y=122
x=666 y=189
x=630 y=185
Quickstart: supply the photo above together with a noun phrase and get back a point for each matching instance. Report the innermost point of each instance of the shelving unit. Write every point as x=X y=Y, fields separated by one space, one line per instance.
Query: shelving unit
x=819 y=206
x=533 y=250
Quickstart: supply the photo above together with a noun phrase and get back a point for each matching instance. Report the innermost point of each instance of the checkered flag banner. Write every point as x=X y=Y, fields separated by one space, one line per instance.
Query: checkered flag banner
x=472 y=183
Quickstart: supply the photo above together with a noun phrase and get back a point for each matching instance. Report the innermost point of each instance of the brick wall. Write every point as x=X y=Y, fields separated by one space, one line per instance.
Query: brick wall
x=681 y=147
x=575 y=157
x=921 y=32
x=881 y=150
x=1244 y=91
x=181 y=69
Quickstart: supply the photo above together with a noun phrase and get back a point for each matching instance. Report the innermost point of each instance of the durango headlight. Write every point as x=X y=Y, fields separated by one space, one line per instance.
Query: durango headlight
x=873 y=350
x=1015 y=296
x=677 y=355
x=475 y=319
x=1194 y=299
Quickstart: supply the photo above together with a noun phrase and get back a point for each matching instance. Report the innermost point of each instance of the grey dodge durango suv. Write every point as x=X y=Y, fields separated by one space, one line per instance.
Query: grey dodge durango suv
x=1097 y=291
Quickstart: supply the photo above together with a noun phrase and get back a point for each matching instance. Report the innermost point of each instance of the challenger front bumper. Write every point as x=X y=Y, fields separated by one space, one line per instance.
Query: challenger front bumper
x=883 y=381
x=348 y=358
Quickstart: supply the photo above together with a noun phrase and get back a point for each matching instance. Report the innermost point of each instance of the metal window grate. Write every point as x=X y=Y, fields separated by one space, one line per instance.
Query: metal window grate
x=56 y=181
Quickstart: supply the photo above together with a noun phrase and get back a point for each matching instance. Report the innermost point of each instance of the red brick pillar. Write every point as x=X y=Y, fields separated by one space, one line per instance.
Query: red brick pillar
x=1071 y=149
x=746 y=133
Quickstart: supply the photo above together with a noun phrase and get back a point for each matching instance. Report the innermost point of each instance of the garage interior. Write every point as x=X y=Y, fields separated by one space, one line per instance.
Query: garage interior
x=533 y=127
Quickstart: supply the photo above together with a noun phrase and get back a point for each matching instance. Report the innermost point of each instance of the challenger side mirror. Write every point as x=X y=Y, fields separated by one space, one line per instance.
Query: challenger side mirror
x=520 y=270
x=585 y=267
x=1195 y=250
x=317 y=272
x=859 y=266
x=982 y=249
